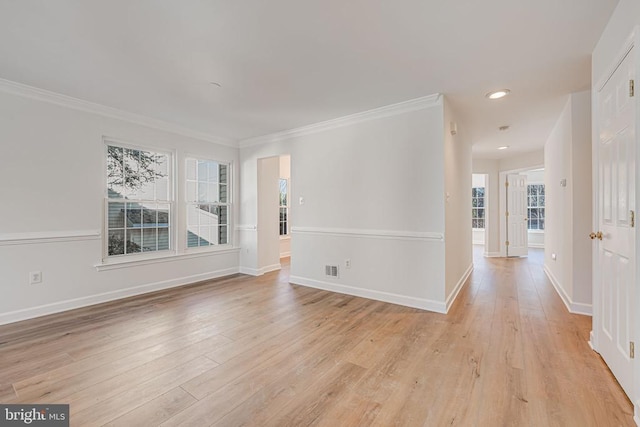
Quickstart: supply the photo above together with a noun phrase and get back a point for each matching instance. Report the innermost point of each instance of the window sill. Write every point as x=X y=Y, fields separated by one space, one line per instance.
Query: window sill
x=114 y=264
x=536 y=231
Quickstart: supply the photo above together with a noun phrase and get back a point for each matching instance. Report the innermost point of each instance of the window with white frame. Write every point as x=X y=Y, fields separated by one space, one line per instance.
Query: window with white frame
x=477 y=207
x=284 y=207
x=138 y=201
x=535 y=206
x=208 y=204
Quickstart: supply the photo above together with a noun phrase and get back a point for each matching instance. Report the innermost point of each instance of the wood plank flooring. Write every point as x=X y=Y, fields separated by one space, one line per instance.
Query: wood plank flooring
x=258 y=351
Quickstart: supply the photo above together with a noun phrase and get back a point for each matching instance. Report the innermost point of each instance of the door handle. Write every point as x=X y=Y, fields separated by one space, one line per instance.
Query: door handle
x=597 y=235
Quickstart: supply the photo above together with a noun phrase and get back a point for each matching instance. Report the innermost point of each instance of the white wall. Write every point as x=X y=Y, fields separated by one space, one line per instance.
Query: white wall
x=522 y=162
x=490 y=168
x=619 y=28
x=285 y=173
x=457 y=171
x=268 y=216
x=568 y=208
x=374 y=194
x=51 y=181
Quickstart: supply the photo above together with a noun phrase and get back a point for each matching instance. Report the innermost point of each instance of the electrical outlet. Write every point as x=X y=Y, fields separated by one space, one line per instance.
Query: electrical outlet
x=553 y=256
x=347 y=263
x=35 y=277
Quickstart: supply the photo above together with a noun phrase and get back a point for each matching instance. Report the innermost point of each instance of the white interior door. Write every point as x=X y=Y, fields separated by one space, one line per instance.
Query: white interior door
x=614 y=275
x=517 y=235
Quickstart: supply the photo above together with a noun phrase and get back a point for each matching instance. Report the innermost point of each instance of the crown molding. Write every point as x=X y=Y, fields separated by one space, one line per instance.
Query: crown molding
x=377 y=113
x=43 y=95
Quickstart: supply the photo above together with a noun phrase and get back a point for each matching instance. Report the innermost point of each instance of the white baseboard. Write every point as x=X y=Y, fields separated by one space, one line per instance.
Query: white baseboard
x=57 y=307
x=453 y=295
x=259 y=271
x=573 y=307
x=421 y=303
x=636 y=414
x=285 y=254
x=270 y=268
x=536 y=245
x=492 y=254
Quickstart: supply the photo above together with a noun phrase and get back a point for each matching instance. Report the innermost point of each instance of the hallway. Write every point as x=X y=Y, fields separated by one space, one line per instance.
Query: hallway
x=258 y=351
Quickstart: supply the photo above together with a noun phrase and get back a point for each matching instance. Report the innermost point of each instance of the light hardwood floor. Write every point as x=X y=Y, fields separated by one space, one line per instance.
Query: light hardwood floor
x=259 y=351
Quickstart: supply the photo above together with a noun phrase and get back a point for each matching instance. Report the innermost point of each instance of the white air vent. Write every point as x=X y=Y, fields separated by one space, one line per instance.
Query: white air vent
x=331 y=270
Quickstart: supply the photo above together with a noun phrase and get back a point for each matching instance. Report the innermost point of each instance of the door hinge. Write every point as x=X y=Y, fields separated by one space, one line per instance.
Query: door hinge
x=506 y=214
x=632 y=89
x=506 y=243
x=632 y=219
x=632 y=350
x=506 y=184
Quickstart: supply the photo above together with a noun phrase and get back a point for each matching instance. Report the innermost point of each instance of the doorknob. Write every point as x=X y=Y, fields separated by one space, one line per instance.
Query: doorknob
x=597 y=235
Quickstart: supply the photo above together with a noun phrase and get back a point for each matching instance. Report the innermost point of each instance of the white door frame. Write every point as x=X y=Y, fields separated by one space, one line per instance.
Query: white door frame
x=633 y=41
x=502 y=206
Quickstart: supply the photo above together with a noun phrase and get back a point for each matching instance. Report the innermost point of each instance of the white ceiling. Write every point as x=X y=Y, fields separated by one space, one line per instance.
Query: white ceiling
x=289 y=63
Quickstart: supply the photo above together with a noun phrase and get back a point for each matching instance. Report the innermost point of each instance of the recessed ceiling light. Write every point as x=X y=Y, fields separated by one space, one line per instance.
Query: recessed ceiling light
x=503 y=128
x=504 y=147
x=498 y=94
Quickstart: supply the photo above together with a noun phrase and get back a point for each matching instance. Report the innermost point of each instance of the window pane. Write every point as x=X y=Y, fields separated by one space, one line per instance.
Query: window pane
x=163 y=239
x=192 y=191
x=207 y=220
x=149 y=215
x=213 y=172
x=192 y=239
x=283 y=192
x=116 y=215
x=480 y=213
x=224 y=172
x=140 y=176
x=162 y=189
x=115 y=176
x=481 y=202
x=134 y=241
x=223 y=237
x=212 y=193
x=202 y=192
x=134 y=215
x=116 y=242
x=223 y=193
x=149 y=239
x=203 y=171
x=223 y=215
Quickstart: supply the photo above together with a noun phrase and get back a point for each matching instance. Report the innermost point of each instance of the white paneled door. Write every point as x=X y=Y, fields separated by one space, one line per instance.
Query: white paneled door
x=614 y=275
x=517 y=225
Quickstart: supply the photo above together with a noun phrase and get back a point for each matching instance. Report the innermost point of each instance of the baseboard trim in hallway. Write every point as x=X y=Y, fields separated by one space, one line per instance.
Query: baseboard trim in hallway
x=407 y=301
x=573 y=307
